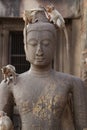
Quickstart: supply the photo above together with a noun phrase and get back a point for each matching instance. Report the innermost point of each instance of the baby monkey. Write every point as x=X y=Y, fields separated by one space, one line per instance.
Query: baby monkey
x=5 y=122
x=27 y=17
x=9 y=73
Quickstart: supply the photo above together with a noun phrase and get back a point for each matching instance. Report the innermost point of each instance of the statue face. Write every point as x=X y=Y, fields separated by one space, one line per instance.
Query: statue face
x=40 y=47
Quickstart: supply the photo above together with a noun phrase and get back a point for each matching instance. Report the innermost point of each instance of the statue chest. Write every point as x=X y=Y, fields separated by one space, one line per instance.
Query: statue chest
x=44 y=101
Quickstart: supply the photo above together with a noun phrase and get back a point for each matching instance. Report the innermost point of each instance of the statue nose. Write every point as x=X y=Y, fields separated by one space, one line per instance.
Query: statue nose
x=39 y=51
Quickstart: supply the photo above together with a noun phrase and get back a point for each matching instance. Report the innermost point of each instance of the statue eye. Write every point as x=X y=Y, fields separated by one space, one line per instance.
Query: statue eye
x=33 y=42
x=46 y=42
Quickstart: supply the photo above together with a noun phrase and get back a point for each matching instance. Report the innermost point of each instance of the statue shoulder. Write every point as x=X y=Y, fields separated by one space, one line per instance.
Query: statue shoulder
x=22 y=77
x=63 y=76
x=78 y=82
x=69 y=79
x=4 y=86
x=5 y=91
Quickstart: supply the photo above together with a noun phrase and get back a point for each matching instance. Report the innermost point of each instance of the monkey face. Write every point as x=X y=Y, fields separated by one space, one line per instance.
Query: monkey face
x=50 y=8
x=5 y=70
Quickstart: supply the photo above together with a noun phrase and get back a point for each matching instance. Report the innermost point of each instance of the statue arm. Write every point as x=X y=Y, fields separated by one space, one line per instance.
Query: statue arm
x=80 y=104
x=6 y=99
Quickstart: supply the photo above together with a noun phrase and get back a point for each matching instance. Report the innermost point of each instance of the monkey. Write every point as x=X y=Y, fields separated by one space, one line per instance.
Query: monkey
x=54 y=16
x=9 y=73
x=27 y=17
x=5 y=122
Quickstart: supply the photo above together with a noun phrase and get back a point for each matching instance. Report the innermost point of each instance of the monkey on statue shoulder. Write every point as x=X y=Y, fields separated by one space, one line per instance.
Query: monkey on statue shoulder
x=9 y=73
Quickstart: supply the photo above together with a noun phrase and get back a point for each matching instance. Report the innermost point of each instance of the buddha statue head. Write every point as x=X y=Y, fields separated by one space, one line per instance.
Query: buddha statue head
x=40 y=40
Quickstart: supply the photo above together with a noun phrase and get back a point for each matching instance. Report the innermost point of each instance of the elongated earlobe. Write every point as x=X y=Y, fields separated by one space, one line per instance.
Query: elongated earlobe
x=25 y=48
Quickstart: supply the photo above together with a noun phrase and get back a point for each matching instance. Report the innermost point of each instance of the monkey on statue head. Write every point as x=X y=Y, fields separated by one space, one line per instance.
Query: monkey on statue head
x=54 y=16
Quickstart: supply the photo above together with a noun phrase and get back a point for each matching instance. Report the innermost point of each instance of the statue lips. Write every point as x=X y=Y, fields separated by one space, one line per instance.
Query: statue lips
x=40 y=59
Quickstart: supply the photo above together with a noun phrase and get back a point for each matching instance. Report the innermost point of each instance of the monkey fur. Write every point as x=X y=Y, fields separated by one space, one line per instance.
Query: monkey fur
x=9 y=73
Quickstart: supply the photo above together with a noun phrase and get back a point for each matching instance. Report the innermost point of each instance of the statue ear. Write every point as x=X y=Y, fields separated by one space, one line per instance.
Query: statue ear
x=26 y=58
x=25 y=39
x=25 y=48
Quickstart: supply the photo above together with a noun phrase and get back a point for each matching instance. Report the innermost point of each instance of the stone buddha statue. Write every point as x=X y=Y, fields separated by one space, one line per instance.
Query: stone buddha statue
x=46 y=99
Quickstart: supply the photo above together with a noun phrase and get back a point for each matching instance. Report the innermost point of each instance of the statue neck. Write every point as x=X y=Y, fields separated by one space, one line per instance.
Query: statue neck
x=37 y=70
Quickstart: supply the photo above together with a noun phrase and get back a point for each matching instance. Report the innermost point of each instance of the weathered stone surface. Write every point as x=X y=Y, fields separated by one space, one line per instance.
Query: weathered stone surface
x=68 y=8
x=45 y=99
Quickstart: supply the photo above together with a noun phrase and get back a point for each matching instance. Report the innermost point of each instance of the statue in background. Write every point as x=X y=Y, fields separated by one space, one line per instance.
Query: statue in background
x=46 y=99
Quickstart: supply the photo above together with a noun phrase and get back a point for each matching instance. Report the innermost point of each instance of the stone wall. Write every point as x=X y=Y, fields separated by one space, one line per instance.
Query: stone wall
x=10 y=8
